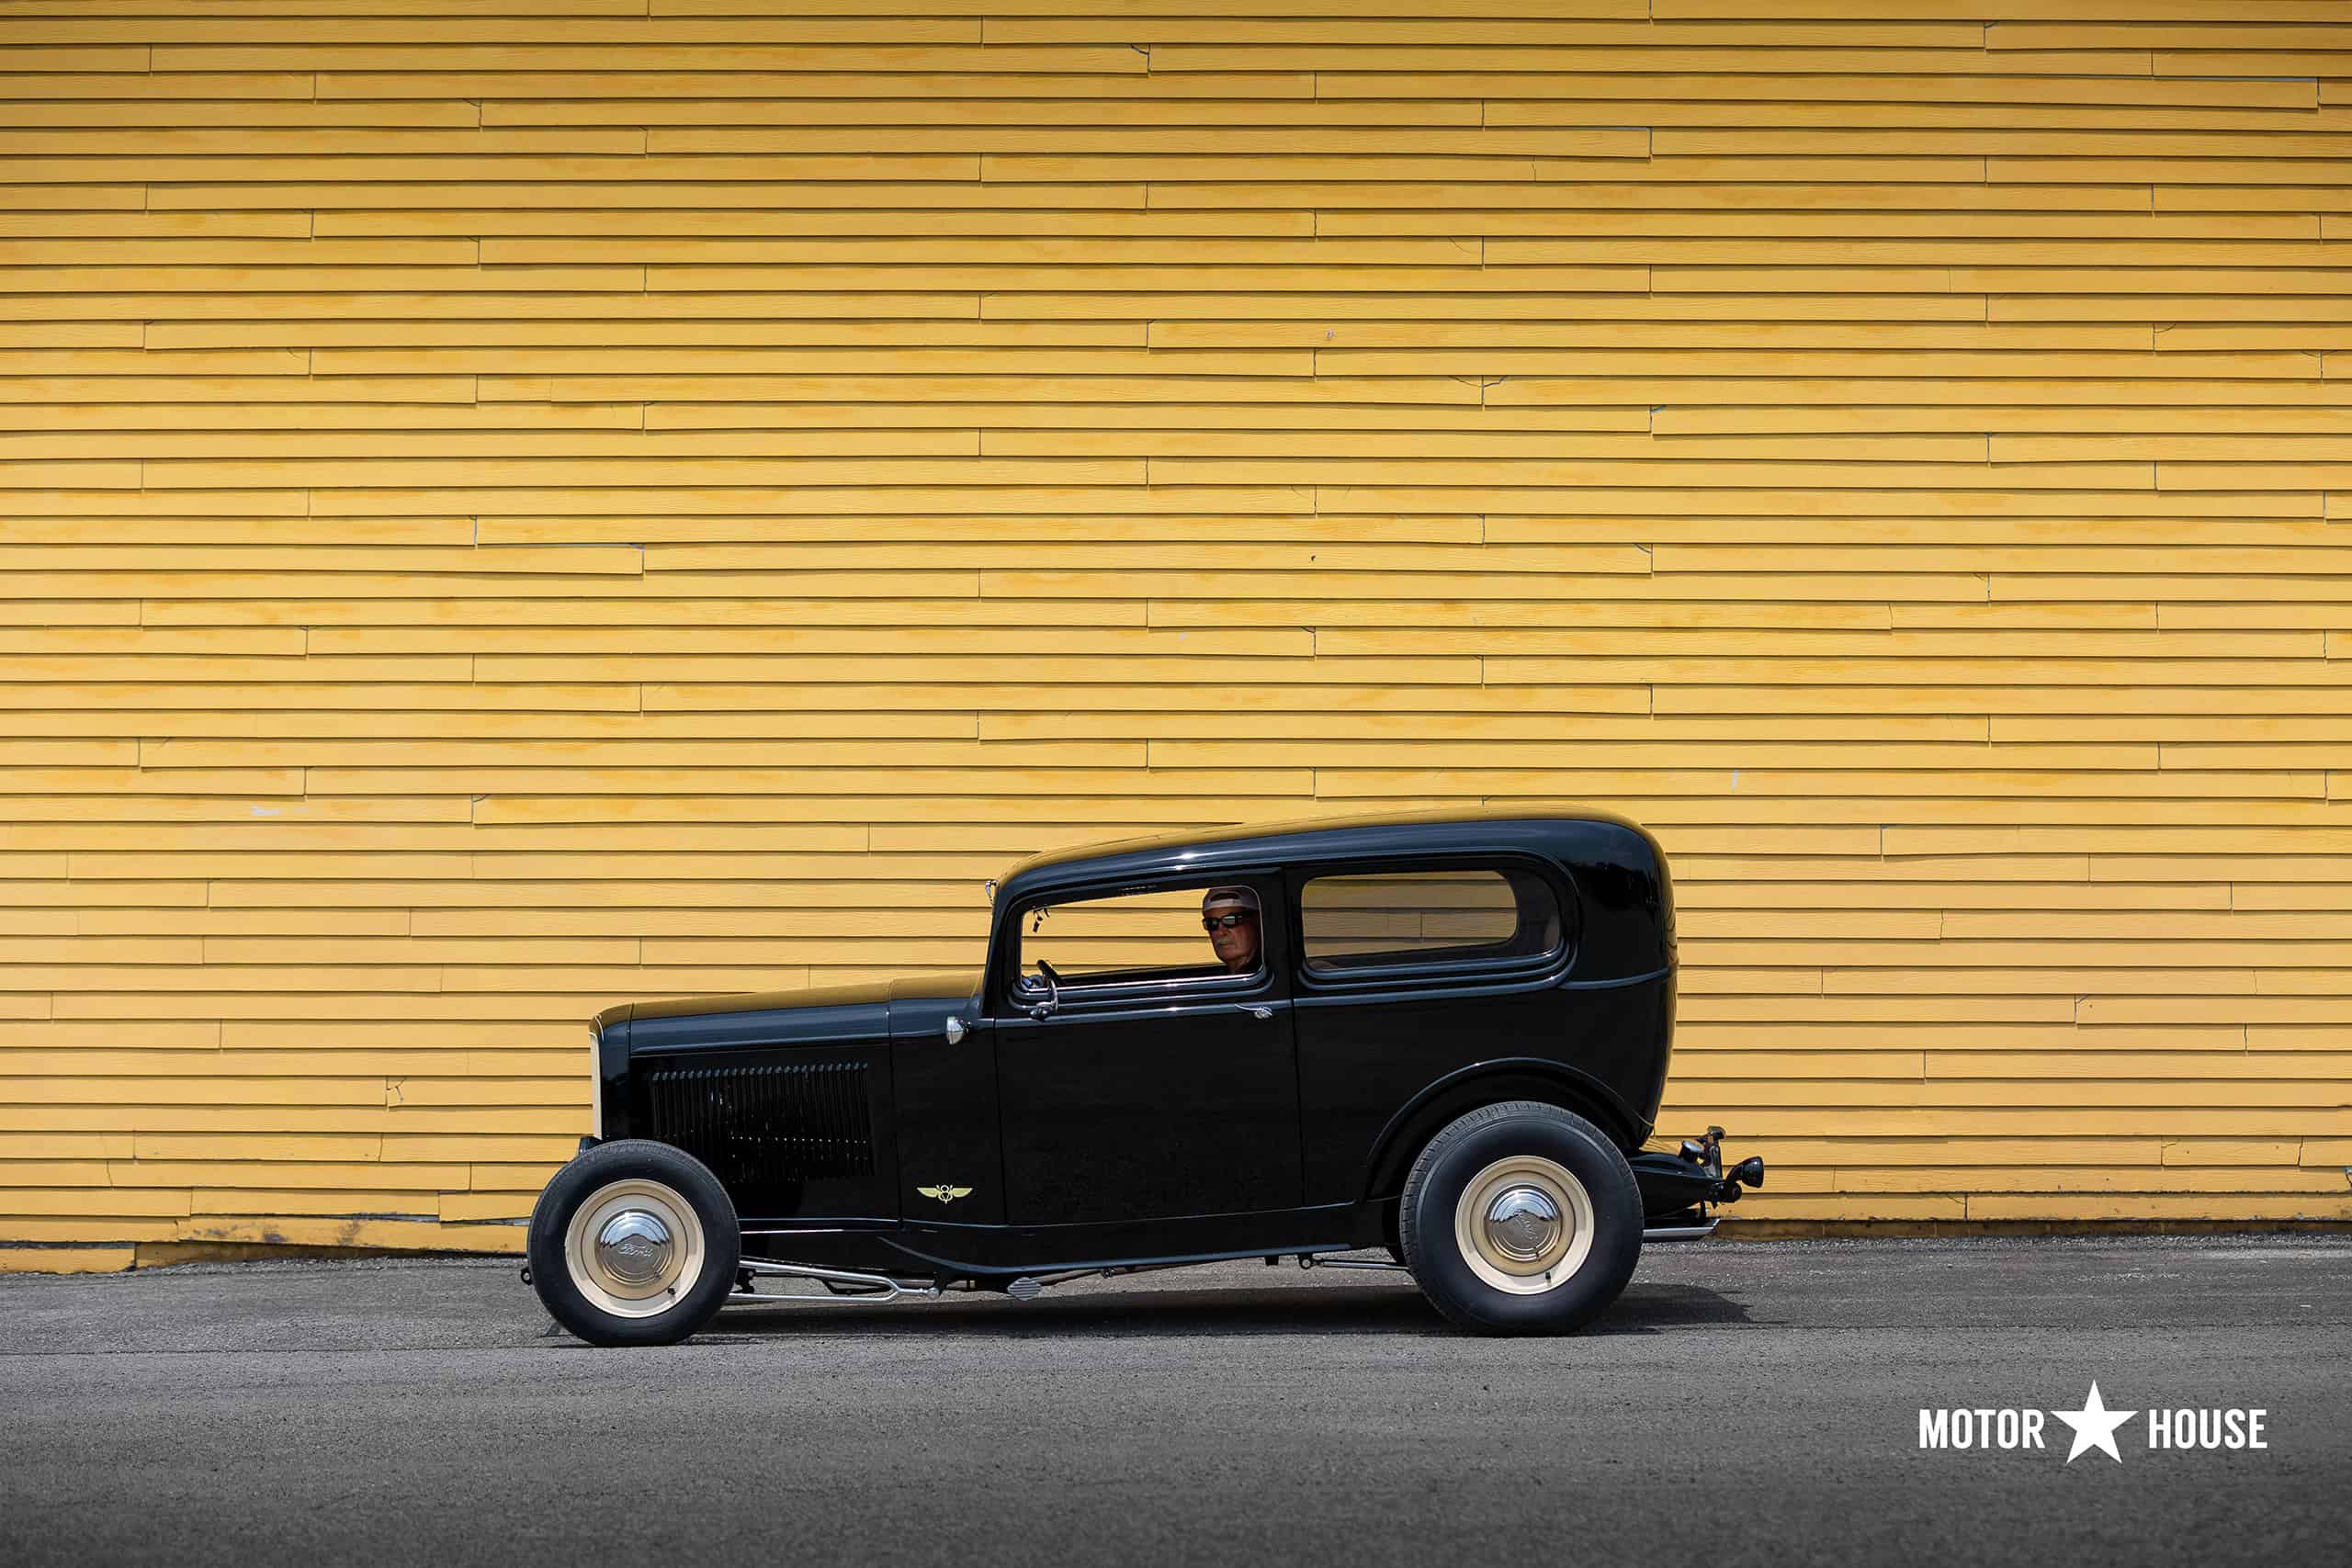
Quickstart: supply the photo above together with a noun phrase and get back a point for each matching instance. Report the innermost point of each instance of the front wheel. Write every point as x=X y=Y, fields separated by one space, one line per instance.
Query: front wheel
x=1520 y=1218
x=634 y=1243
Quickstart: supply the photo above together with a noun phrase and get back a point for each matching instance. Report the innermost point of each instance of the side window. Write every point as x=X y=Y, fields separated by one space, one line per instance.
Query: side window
x=1426 y=919
x=1204 y=933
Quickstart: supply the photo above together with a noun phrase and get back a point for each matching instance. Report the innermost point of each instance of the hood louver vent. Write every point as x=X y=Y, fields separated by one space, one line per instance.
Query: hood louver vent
x=765 y=1127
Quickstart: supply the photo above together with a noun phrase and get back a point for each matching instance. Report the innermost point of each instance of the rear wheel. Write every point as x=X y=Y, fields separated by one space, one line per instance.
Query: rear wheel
x=1520 y=1218
x=634 y=1243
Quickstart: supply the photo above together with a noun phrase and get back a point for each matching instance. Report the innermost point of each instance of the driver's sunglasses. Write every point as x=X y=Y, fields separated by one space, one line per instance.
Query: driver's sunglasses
x=1228 y=920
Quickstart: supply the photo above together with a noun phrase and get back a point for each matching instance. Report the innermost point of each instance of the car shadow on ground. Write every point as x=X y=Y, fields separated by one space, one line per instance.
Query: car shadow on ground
x=1333 y=1309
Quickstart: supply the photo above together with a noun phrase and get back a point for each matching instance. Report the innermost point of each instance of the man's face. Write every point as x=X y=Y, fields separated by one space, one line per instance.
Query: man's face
x=1236 y=941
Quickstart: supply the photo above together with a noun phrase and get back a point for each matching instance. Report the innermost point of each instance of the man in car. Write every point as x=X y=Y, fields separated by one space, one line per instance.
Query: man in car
x=1230 y=917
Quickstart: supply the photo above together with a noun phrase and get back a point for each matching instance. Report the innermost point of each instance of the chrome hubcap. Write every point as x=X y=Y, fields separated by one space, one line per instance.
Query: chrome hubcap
x=1523 y=1223
x=634 y=1246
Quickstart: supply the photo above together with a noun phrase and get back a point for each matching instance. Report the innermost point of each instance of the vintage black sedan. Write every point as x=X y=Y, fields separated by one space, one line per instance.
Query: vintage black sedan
x=1443 y=1033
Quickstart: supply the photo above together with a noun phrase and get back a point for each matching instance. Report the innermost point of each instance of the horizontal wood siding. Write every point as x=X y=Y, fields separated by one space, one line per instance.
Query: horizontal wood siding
x=514 y=506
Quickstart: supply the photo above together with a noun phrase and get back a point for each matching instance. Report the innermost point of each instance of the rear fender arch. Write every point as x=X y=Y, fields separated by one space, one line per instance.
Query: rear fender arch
x=1486 y=1083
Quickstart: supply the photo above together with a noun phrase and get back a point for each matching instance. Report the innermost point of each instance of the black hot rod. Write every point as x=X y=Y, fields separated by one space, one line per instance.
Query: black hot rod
x=1443 y=1033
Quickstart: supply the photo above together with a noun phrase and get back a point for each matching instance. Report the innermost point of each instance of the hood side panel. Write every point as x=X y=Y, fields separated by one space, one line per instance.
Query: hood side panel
x=788 y=1102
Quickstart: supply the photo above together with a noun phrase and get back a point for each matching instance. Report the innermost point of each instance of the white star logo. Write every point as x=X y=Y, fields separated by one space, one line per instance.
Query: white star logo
x=2094 y=1426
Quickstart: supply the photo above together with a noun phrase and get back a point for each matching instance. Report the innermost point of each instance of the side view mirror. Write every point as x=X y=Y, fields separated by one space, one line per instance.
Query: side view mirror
x=1052 y=990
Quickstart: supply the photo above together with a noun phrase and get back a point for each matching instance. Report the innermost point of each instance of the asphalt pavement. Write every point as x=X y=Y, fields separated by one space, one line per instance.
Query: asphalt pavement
x=1744 y=1403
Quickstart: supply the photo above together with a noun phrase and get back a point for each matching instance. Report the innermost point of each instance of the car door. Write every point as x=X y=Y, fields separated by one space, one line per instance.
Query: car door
x=1153 y=1092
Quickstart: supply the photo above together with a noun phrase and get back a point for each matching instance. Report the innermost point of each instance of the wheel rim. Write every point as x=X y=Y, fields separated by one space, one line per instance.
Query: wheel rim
x=634 y=1247
x=1524 y=1225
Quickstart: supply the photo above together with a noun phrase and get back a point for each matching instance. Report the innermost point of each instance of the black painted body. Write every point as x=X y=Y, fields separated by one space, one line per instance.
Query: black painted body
x=1187 y=1126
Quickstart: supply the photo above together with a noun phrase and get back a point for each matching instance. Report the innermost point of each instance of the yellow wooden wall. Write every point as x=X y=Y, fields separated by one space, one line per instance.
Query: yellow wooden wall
x=510 y=505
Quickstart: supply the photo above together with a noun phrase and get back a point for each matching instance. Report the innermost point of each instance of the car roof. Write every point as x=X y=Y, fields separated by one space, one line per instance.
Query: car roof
x=1541 y=829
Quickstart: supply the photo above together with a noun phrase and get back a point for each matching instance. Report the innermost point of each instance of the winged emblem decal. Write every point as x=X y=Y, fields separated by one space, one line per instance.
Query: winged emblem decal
x=945 y=1193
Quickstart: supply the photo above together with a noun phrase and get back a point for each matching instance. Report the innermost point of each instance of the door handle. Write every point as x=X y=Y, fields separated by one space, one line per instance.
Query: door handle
x=1254 y=1011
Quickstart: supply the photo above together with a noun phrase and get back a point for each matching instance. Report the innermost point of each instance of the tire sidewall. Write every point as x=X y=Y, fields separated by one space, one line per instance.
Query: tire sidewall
x=1467 y=1147
x=674 y=1168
